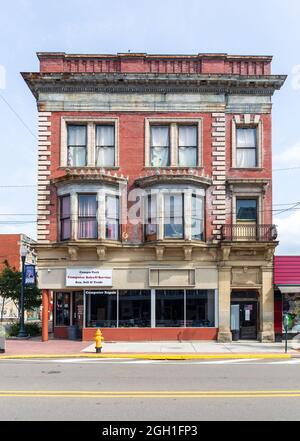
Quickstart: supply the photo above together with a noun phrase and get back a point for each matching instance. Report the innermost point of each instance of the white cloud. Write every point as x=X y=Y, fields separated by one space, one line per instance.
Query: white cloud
x=290 y=156
x=289 y=233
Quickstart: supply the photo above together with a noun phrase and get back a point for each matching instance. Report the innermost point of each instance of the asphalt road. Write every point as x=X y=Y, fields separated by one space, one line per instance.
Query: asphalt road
x=105 y=390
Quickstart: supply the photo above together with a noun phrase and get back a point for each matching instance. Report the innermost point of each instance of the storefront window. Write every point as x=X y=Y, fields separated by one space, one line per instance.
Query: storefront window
x=101 y=309
x=62 y=308
x=170 y=309
x=200 y=309
x=135 y=309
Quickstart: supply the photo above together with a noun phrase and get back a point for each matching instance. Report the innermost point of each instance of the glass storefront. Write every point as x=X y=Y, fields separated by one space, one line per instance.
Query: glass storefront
x=137 y=309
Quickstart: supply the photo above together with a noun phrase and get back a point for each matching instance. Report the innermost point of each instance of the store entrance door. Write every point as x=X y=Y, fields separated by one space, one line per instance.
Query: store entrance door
x=248 y=321
x=247 y=317
x=78 y=311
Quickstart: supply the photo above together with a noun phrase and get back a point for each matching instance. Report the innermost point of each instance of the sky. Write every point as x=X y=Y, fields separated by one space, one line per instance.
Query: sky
x=268 y=27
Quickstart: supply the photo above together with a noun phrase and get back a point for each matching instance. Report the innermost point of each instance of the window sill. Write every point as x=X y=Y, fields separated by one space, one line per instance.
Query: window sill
x=247 y=168
x=174 y=167
x=87 y=167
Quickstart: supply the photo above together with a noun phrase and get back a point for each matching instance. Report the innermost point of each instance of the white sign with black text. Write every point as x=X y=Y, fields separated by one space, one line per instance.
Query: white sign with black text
x=85 y=277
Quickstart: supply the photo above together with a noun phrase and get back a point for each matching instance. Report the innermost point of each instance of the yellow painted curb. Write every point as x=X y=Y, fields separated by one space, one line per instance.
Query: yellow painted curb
x=150 y=356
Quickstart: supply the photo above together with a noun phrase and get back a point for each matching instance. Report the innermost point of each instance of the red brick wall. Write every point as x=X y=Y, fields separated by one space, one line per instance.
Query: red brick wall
x=10 y=250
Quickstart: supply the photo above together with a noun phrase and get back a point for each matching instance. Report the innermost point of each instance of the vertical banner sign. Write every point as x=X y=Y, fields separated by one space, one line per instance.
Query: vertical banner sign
x=30 y=275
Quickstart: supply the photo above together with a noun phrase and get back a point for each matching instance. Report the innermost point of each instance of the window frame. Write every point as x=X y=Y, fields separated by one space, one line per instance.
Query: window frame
x=85 y=146
x=196 y=147
x=108 y=195
x=88 y=217
x=61 y=219
x=168 y=147
x=237 y=124
x=174 y=124
x=170 y=195
x=105 y=146
x=91 y=123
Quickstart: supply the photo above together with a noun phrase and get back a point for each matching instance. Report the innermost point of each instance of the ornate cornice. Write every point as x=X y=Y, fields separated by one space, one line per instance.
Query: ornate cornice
x=90 y=175
x=152 y=83
x=173 y=178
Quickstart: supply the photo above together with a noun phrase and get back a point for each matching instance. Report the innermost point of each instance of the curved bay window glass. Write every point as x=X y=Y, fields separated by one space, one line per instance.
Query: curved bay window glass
x=134 y=309
x=197 y=217
x=170 y=309
x=112 y=217
x=65 y=218
x=200 y=309
x=77 y=146
x=160 y=146
x=87 y=216
x=105 y=146
x=187 y=148
x=62 y=309
x=151 y=218
x=101 y=309
x=174 y=223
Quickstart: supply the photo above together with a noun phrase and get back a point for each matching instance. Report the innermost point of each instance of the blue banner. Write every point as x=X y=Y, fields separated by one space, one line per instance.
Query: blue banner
x=30 y=275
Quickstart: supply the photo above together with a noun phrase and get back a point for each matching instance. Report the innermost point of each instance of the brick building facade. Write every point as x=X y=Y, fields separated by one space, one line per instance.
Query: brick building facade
x=155 y=194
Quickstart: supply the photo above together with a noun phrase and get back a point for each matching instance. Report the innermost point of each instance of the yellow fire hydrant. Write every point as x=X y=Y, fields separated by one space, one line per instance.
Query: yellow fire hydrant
x=99 y=339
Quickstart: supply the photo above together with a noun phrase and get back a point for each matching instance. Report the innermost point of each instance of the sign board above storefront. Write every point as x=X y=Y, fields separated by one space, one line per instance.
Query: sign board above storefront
x=101 y=293
x=86 y=277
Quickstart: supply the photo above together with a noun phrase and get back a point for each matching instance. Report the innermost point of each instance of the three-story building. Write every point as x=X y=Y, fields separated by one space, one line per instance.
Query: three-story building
x=155 y=195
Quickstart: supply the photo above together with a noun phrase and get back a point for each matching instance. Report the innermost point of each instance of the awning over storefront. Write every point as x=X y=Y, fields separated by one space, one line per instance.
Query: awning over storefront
x=289 y=289
x=287 y=273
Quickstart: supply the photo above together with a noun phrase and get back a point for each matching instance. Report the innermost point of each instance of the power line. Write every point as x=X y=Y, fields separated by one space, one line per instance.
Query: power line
x=18 y=116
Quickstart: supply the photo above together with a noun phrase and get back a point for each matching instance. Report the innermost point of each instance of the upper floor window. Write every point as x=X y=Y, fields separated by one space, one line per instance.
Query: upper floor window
x=160 y=146
x=187 y=146
x=246 y=148
x=77 y=146
x=151 y=218
x=197 y=218
x=174 y=217
x=112 y=217
x=173 y=142
x=65 y=217
x=105 y=146
x=87 y=217
x=246 y=210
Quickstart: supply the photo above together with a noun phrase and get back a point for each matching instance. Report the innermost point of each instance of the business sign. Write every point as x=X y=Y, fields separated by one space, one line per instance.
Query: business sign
x=29 y=275
x=88 y=277
x=101 y=293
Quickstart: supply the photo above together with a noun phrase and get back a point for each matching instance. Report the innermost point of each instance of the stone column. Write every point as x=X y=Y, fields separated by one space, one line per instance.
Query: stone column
x=267 y=334
x=45 y=315
x=225 y=335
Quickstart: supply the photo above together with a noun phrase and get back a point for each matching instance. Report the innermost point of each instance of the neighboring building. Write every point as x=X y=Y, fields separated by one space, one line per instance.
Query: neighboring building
x=287 y=294
x=10 y=246
x=184 y=143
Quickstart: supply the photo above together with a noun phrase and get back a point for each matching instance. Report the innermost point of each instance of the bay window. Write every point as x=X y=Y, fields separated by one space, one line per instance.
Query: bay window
x=174 y=218
x=87 y=217
x=246 y=147
x=160 y=146
x=151 y=218
x=77 y=145
x=105 y=146
x=197 y=217
x=112 y=217
x=65 y=217
x=187 y=146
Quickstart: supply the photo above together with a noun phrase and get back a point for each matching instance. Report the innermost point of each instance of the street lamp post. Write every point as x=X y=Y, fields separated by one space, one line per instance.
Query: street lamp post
x=22 y=332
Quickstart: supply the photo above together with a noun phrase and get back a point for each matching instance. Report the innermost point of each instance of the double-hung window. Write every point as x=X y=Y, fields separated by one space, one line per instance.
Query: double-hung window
x=65 y=218
x=160 y=146
x=174 y=218
x=187 y=146
x=112 y=217
x=77 y=145
x=87 y=216
x=105 y=146
x=197 y=218
x=246 y=147
x=151 y=219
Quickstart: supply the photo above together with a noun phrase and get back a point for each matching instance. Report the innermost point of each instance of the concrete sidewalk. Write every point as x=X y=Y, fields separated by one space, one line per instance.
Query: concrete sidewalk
x=34 y=348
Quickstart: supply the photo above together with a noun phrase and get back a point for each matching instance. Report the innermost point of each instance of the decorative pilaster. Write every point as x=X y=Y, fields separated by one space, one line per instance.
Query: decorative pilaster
x=44 y=153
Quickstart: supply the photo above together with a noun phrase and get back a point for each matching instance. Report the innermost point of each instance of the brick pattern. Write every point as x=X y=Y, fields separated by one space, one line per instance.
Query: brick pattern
x=218 y=209
x=44 y=162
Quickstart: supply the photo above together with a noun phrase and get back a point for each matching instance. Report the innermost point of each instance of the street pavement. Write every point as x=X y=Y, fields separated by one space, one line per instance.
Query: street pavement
x=148 y=390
